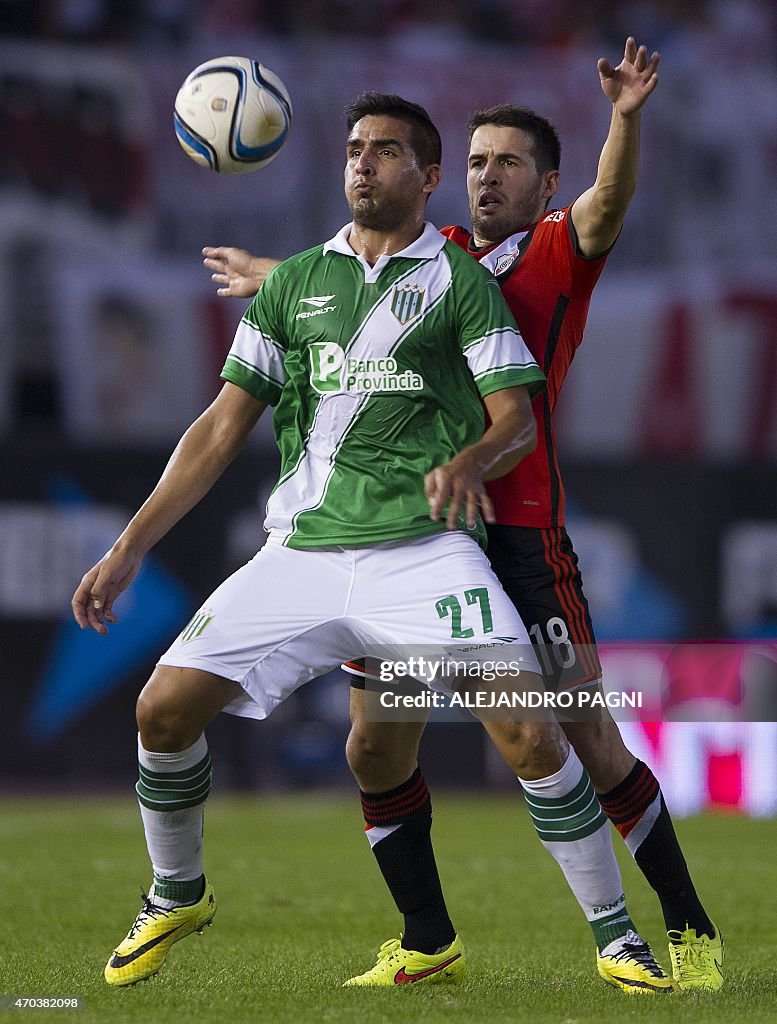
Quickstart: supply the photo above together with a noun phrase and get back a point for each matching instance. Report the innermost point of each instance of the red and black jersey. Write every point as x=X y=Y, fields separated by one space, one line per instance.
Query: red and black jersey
x=547 y=284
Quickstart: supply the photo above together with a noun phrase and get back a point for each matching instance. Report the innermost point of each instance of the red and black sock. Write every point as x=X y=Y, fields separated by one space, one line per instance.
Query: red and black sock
x=636 y=807
x=399 y=828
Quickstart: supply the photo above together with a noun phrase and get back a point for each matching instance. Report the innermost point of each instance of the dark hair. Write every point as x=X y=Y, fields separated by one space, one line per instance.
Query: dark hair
x=424 y=137
x=546 y=147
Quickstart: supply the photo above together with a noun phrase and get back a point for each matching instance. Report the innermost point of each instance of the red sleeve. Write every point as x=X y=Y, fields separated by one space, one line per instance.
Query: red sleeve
x=583 y=271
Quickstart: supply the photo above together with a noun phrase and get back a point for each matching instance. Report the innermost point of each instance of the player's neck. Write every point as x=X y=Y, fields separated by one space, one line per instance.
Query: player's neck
x=478 y=242
x=372 y=244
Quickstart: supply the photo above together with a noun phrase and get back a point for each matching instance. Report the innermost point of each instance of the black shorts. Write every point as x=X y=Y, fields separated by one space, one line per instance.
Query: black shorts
x=539 y=572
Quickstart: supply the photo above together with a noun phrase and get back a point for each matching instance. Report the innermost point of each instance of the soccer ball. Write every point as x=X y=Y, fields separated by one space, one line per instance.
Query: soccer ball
x=232 y=114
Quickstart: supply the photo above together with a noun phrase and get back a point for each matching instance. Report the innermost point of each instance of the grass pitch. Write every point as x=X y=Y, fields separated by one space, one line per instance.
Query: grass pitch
x=302 y=907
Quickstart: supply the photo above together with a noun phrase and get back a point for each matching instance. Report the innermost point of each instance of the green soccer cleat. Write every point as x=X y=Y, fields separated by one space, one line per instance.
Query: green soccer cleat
x=629 y=965
x=697 y=960
x=398 y=966
x=143 y=951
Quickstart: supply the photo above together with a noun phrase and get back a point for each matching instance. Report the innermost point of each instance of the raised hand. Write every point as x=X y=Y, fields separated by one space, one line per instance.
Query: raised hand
x=628 y=85
x=238 y=273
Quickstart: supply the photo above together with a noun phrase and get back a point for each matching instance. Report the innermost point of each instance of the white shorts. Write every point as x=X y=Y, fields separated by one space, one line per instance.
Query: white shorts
x=288 y=616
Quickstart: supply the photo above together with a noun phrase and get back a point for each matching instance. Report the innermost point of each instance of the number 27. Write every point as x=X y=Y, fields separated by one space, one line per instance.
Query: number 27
x=451 y=605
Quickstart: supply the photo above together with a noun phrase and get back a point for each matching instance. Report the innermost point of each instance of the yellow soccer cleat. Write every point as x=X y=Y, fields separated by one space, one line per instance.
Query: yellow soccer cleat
x=143 y=951
x=629 y=965
x=398 y=966
x=697 y=960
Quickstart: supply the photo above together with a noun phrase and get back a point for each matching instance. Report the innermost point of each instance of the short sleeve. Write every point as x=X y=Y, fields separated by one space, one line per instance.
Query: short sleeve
x=256 y=359
x=490 y=340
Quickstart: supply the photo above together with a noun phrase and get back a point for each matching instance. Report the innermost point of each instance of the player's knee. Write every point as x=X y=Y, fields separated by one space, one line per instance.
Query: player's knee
x=163 y=723
x=528 y=741
x=378 y=761
x=364 y=752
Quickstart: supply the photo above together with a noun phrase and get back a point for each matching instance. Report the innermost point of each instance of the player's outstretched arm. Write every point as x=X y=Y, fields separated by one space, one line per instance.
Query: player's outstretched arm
x=238 y=273
x=459 y=484
x=598 y=213
x=202 y=455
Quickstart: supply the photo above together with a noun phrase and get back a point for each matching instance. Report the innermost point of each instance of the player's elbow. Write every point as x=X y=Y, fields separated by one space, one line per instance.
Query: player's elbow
x=523 y=428
x=220 y=436
x=530 y=437
x=525 y=440
x=227 y=438
x=525 y=443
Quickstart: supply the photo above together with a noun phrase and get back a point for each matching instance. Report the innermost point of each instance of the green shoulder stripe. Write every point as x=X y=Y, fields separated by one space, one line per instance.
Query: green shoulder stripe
x=252 y=380
x=511 y=377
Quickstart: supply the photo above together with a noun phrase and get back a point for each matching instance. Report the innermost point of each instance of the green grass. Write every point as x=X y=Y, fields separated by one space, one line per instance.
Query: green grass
x=302 y=907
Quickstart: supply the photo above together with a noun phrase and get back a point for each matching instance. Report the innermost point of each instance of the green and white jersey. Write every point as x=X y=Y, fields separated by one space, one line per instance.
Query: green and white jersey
x=376 y=375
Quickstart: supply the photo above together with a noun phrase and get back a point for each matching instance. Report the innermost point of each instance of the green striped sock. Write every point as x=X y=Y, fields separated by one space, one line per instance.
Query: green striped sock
x=575 y=831
x=174 y=791
x=179 y=892
x=613 y=926
x=566 y=818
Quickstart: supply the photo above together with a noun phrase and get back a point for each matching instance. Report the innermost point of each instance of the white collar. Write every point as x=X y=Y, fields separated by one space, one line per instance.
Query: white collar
x=426 y=247
x=496 y=258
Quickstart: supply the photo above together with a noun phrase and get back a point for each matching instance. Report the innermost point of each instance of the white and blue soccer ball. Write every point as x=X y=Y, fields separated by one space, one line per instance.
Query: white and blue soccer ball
x=232 y=115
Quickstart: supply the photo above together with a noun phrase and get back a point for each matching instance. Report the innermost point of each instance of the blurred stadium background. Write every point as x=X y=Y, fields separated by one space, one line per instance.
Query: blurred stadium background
x=112 y=339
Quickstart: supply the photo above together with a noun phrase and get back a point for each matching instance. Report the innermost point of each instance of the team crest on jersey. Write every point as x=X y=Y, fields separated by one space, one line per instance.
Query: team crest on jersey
x=406 y=302
x=505 y=262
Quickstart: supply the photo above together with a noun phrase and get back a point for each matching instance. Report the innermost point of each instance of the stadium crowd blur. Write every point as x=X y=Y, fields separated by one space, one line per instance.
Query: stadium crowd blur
x=95 y=135
x=677 y=27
